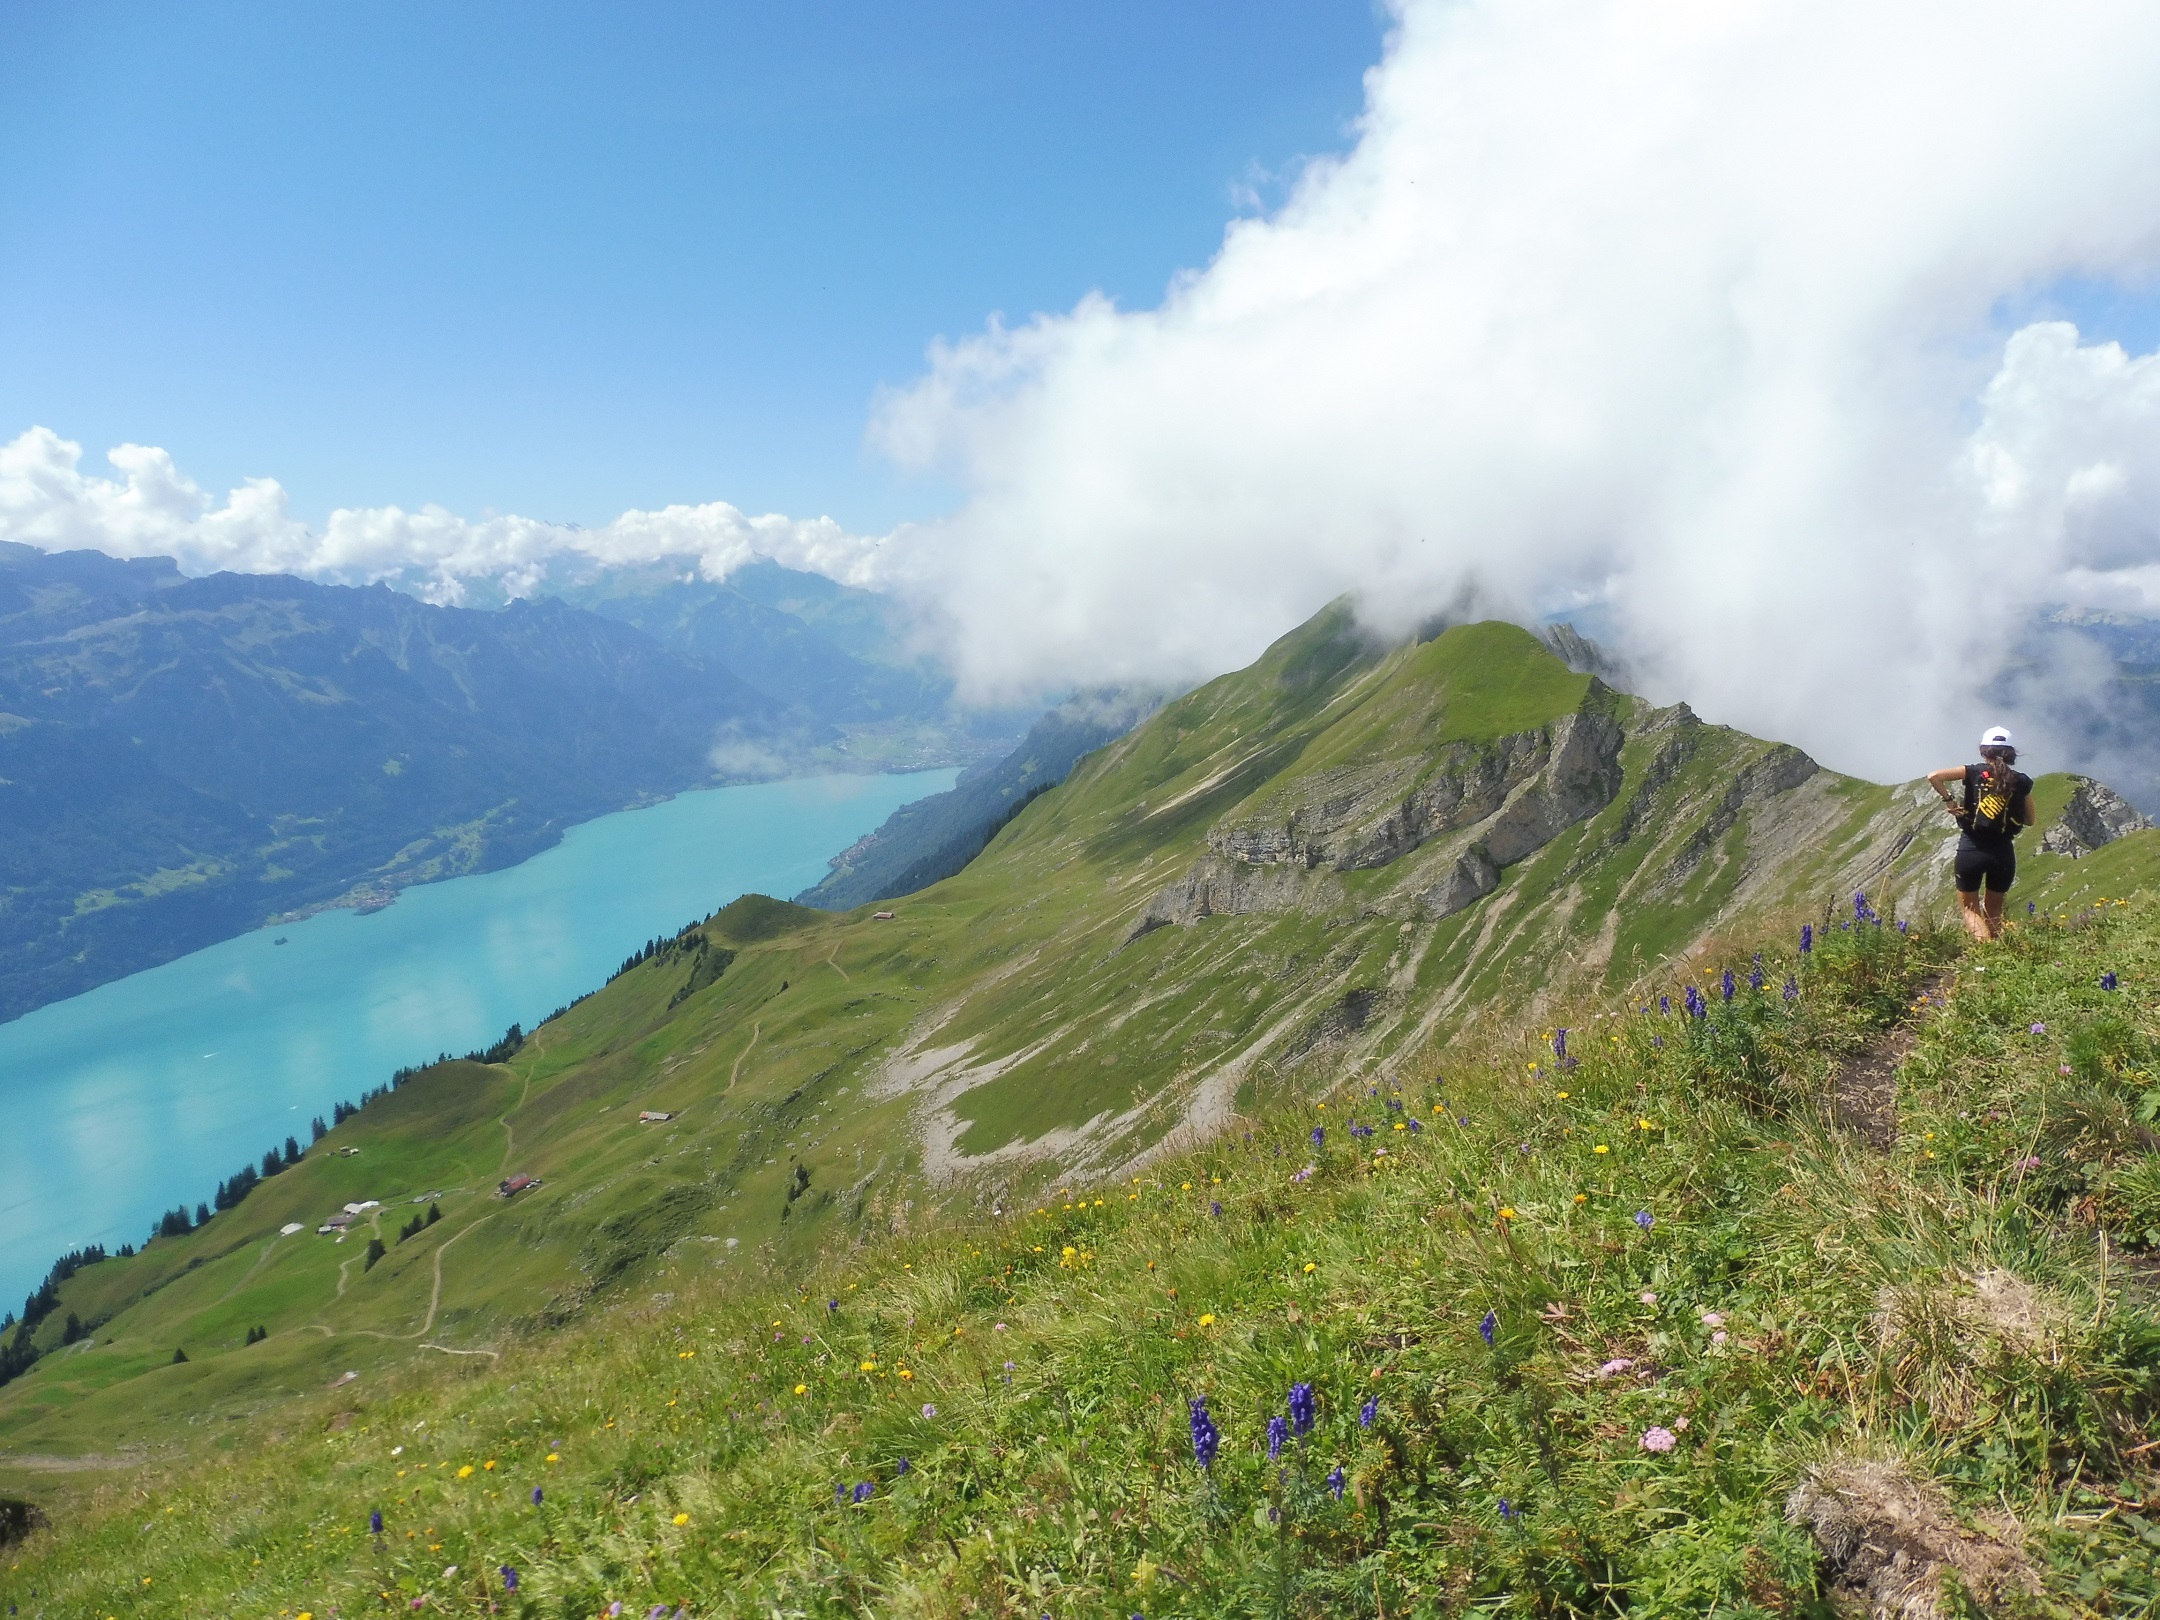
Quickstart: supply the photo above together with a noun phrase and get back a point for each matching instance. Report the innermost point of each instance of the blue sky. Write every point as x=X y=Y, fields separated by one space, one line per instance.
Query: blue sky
x=565 y=260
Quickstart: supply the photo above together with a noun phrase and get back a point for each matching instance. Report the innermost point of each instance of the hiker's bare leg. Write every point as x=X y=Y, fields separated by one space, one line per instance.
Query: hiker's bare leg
x=1994 y=913
x=1972 y=916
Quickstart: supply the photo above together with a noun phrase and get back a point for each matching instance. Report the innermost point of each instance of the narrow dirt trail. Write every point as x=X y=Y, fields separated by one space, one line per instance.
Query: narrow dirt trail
x=835 y=966
x=736 y=1070
x=510 y=1136
x=434 y=1303
x=1863 y=1097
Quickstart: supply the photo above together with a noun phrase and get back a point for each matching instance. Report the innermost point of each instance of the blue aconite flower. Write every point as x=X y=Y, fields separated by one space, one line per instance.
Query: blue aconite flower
x=1367 y=1412
x=903 y=1467
x=2107 y=980
x=374 y=1522
x=1644 y=1219
x=1335 y=1482
x=832 y=1304
x=1792 y=988
x=1205 y=1439
x=1862 y=911
x=536 y=1496
x=1488 y=1327
x=1214 y=1206
x=1559 y=1043
x=1301 y=1408
x=1506 y=1512
x=509 y=1578
x=1413 y=1123
x=1277 y=1432
x=840 y=1493
x=1319 y=1137
x=862 y=1491
x=1664 y=1005
x=1696 y=1006
x=1807 y=938
x=1755 y=974
x=1726 y=984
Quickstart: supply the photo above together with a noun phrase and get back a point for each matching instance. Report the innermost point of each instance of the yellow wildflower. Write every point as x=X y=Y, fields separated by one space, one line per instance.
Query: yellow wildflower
x=904 y=1373
x=1601 y=1148
x=465 y=1472
x=869 y=1366
x=1310 y=1267
x=681 y=1519
x=1582 y=1198
x=1207 y=1318
x=554 y=1457
x=1563 y=1096
x=1507 y=1213
x=802 y=1389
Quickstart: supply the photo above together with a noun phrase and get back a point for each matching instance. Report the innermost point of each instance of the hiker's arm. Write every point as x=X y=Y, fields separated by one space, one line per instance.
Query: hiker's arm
x=1939 y=780
x=2025 y=814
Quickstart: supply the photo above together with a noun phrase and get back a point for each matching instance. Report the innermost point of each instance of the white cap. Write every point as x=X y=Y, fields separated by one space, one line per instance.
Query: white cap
x=1995 y=737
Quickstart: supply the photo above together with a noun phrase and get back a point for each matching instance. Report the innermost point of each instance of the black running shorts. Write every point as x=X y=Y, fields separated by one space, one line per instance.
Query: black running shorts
x=1977 y=864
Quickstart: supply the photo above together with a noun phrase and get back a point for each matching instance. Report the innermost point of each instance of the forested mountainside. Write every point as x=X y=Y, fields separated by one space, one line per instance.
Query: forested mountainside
x=928 y=841
x=182 y=759
x=1333 y=868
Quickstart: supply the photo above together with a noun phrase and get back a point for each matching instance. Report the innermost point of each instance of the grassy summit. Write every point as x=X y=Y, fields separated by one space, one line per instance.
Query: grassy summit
x=1609 y=1320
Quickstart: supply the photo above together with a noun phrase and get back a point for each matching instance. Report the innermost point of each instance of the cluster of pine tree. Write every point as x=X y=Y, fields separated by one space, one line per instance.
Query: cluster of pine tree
x=419 y=1223
x=17 y=1353
x=244 y=1181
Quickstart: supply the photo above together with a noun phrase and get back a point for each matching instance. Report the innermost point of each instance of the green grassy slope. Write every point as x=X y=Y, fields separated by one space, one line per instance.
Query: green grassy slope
x=1624 y=1328
x=1254 y=897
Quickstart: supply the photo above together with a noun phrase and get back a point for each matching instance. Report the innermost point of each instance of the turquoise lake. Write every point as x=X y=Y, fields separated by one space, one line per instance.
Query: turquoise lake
x=144 y=1093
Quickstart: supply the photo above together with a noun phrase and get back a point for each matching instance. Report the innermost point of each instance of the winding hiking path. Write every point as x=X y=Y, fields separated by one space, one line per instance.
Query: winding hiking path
x=434 y=1303
x=739 y=1056
x=509 y=1136
x=831 y=962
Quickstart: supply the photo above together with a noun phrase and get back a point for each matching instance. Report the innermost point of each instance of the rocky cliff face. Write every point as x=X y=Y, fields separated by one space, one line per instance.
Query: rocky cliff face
x=2096 y=816
x=1466 y=810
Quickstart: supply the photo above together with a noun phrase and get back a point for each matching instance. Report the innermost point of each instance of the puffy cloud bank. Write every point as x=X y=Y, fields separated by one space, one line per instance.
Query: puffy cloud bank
x=1687 y=314
x=152 y=509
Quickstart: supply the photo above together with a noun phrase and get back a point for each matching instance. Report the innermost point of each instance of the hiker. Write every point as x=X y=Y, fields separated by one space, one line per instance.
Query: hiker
x=1997 y=806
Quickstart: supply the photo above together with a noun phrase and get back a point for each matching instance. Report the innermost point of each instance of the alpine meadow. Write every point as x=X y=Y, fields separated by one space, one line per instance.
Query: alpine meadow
x=1405 y=1129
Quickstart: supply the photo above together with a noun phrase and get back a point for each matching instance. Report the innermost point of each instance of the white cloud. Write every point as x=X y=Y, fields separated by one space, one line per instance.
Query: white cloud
x=1683 y=309
x=153 y=509
x=1682 y=314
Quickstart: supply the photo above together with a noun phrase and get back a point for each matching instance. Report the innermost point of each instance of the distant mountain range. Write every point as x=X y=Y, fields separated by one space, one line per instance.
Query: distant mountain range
x=184 y=759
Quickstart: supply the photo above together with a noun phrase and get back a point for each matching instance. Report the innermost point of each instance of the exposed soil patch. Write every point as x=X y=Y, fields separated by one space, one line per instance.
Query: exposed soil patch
x=1889 y=1541
x=1863 y=1097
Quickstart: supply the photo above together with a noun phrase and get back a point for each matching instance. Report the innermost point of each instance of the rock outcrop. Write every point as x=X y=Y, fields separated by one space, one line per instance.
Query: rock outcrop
x=2096 y=816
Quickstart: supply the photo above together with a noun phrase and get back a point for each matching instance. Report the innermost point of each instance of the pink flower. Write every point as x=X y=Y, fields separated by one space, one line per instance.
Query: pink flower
x=1619 y=1364
x=1712 y=1319
x=1648 y=1298
x=1658 y=1439
x=1718 y=1337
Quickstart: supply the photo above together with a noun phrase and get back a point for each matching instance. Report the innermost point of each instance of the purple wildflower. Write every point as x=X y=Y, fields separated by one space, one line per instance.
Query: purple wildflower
x=1696 y=1006
x=1792 y=988
x=1664 y=1006
x=928 y=1410
x=1755 y=973
x=862 y=1491
x=1369 y=1411
x=1301 y=1408
x=1205 y=1440
x=1214 y=1206
x=2037 y=1029
x=1726 y=984
x=1903 y=926
x=1412 y=1121
x=1559 y=1043
x=2029 y=908
x=1658 y=1438
x=1277 y=1432
x=832 y=1304
x=1644 y=1219
x=1506 y=1512
x=509 y=1578
x=1861 y=910
x=1319 y=1136
x=1488 y=1327
x=1807 y=938
x=2108 y=980
x=536 y=1496
x=840 y=1493
x=374 y=1522
x=903 y=1467
x=1658 y=1041
x=1335 y=1482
